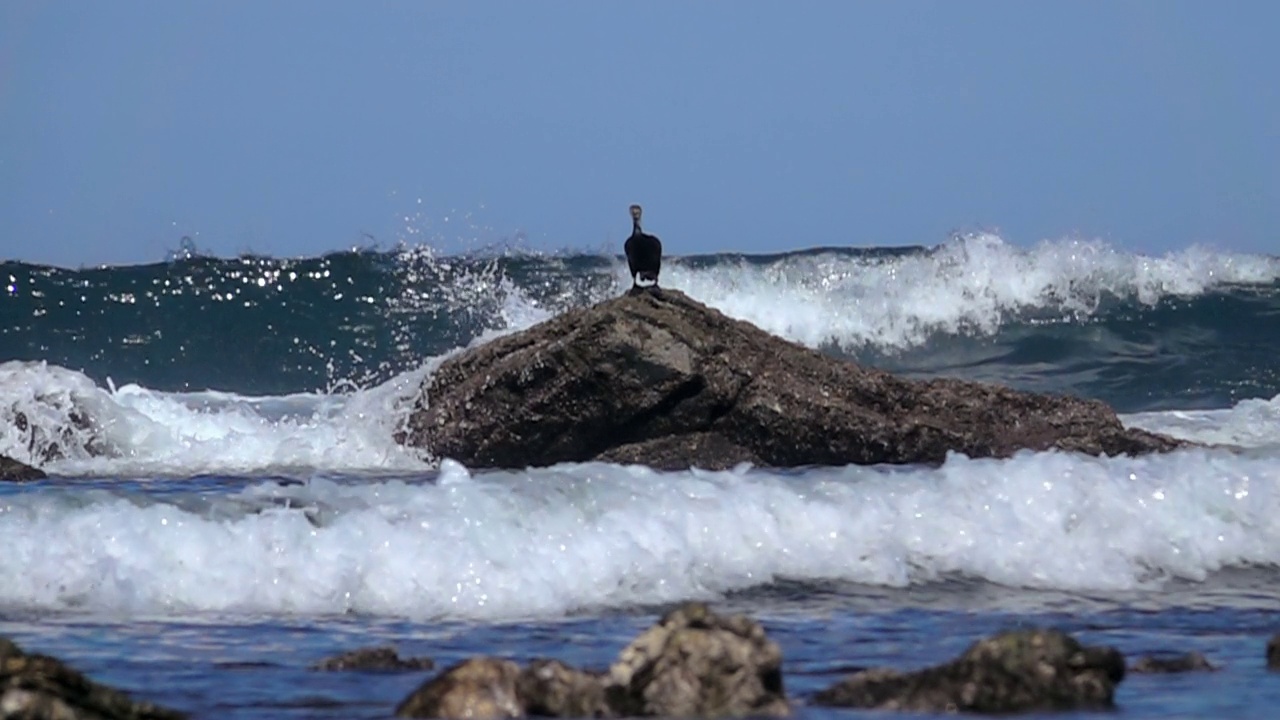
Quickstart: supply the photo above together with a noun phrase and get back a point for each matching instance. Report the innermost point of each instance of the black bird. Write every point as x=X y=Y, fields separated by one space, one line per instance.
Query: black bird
x=644 y=254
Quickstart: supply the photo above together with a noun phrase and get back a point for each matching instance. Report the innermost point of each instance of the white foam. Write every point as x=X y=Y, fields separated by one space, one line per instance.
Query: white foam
x=140 y=432
x=431 y=283
x=1253 y=423
x=548 y=542
x=971 y=284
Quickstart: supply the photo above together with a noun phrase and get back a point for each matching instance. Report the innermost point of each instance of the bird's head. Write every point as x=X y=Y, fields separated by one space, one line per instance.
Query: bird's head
x=635 y=213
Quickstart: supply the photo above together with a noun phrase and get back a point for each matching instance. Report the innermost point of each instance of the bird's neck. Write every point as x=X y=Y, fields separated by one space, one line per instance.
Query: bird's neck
x=635 y=227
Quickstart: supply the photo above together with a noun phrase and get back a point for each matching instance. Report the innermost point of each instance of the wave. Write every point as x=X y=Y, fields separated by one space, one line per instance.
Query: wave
x=555 y=541
x=1191 y=329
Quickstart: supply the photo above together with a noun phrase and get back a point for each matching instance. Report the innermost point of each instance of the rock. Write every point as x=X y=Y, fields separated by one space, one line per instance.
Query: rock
x=480 y=688
x=1273 y=653
x=373 y=658
x=67 y=428
x=549 y=688
x=659 y=379
x=1190 y=662
x=39 y=687
x=695 y=663
x=13 y=470
x=1018 y=671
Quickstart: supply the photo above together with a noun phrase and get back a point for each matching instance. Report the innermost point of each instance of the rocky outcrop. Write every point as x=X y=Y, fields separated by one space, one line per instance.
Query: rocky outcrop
x=1018 y=671
x=38 y=687
x=12 y=470
x=1156 y=664
x=693 y=663
x=659 y=379
x=383 y=659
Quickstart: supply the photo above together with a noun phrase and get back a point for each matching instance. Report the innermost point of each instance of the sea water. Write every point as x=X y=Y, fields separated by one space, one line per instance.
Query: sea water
x=246 y=513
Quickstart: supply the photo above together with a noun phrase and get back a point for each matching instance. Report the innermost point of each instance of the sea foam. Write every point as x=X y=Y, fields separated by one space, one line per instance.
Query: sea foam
x=549 y=542
x=132 y=431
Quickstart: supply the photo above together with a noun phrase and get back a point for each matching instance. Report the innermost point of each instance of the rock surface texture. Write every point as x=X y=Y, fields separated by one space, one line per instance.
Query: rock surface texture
x=39 y=687
x=14 y=471
x=480 y=688
x=1018 y=671
x=659 y=379
x=693 y=663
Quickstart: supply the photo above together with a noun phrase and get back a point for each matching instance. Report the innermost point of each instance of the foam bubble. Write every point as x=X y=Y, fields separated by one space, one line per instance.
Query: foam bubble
x=495 y=545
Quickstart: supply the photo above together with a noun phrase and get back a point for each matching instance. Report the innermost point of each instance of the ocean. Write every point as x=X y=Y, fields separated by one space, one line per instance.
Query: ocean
x=246 y=512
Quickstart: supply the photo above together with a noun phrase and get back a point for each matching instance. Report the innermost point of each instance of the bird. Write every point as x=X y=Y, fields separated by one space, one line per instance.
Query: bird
x=644 y=254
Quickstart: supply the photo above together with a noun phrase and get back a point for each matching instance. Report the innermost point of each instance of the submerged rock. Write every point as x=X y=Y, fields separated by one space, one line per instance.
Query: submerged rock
x=373 y=658
x=693 y=663
x=1189 y=662
x=1018 y=671
x=39 y=687
x=13 y=470
x=659 y=379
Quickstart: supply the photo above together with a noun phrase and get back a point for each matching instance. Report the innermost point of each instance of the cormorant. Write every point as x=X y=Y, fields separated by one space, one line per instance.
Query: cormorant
x=644 y=254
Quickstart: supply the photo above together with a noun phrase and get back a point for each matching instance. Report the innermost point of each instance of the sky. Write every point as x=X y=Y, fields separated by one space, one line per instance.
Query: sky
x=298 y=127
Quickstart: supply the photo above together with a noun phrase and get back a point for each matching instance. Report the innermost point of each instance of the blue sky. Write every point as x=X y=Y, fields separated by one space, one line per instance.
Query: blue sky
x=294 y=127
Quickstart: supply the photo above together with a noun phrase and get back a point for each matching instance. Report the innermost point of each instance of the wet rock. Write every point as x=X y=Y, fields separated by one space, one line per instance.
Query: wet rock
x=39 y=687
x=1273 y=653
x=373 y=658
x=695 y=663
x=480 y=688
x=549 y=688
x=63 y=428
x=12 y=470
x=1017 y=671
x=659 y=379
x=1190 y=662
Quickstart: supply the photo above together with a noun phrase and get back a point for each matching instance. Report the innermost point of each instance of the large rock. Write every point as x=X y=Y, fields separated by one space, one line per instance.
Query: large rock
x=12 y=470
x=693 y=663
x=38 y=687
x=659 y=379
x=1018 y=671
